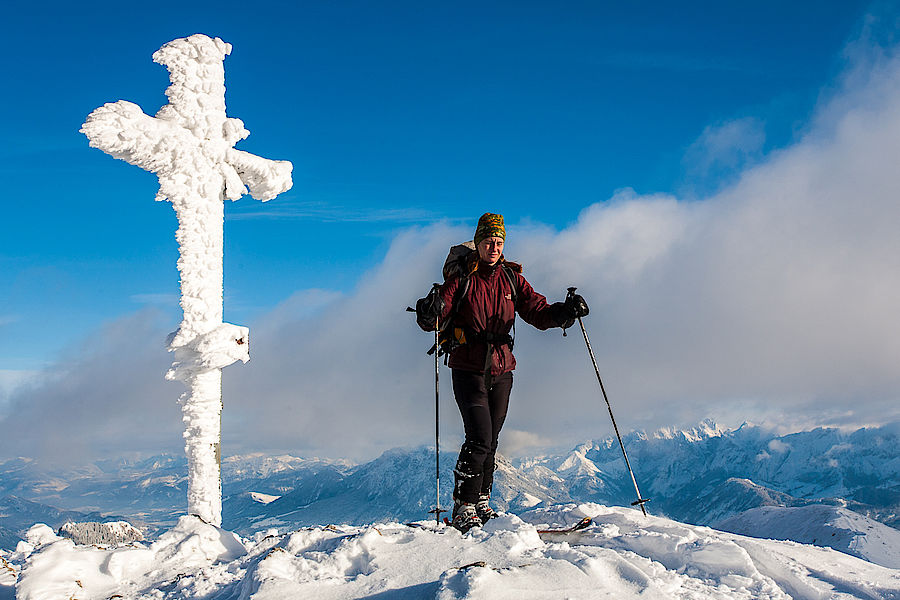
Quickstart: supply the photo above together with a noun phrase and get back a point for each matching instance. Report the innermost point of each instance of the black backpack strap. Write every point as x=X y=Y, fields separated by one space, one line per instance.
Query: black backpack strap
x=461 y=290
x=447 y=340
x=513 y=283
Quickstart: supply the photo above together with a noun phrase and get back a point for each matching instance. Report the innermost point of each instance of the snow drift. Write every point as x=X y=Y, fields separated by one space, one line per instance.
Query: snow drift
x=622 y=555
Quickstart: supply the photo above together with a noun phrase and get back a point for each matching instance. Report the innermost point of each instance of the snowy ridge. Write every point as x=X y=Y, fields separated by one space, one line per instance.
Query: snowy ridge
x=261 y=466
x=18 y=514
x=707 y=428
x=398 y=485
x=831 y=526
x=621 y=555
x=692 y=475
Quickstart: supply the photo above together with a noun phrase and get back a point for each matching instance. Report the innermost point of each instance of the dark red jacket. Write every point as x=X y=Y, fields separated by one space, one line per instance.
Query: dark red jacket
x=488 y=306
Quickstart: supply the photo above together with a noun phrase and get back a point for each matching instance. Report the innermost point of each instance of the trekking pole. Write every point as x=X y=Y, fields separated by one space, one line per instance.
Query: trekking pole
x=437 y=510
x=437 y=425
x=640 y=501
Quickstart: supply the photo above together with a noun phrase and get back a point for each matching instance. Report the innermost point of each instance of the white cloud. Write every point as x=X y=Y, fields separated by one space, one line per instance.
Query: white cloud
x=106 y=394
x=301 y=305
x=304 y=209
x=518 y=443
x=11 y=381
x=778 y=447
x=725 y=148
x=352 y=377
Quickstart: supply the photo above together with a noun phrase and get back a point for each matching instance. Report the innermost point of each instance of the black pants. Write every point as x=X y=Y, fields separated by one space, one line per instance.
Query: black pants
x=483 y=412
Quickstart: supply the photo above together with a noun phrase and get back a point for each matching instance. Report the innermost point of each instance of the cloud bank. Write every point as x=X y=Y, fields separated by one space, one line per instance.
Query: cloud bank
x=772 y=300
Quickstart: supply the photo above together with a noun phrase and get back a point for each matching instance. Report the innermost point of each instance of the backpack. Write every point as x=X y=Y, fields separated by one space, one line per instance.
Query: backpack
x=460 y=263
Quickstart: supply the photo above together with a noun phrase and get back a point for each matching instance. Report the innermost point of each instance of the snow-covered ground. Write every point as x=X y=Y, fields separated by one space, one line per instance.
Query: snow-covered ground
x=8 y=575
x=820 y=525
x=622 y=555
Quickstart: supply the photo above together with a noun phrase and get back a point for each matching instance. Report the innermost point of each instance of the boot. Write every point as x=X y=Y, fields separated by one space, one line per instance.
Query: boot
x=465 y=517
x=483 y=509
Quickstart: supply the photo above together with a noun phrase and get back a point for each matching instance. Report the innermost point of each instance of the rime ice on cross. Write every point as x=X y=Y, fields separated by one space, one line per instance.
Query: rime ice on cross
x=189 y=146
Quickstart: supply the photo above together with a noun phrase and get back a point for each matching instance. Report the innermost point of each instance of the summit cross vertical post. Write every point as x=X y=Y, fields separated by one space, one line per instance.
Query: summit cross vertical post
x=189 y=146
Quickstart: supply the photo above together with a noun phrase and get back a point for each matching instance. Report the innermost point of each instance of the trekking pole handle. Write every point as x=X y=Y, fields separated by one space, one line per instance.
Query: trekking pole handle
x=570 y=295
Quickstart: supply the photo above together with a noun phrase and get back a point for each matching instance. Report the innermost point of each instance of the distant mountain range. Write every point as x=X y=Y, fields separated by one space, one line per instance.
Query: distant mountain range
x=701 y=476
x=709 y=473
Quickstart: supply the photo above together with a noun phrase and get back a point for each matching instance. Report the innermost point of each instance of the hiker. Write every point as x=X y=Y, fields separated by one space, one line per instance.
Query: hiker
x=475 y=309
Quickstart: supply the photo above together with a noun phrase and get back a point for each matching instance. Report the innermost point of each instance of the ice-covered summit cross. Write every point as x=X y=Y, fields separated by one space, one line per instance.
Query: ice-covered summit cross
x=189 y=146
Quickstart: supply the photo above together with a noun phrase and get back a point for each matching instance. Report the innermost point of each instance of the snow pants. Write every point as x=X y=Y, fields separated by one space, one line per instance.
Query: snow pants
x=483 y=412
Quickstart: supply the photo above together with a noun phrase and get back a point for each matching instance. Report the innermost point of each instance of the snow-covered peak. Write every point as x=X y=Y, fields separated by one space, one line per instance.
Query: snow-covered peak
x=706 y=429
x=577 y=463
x=263 y=498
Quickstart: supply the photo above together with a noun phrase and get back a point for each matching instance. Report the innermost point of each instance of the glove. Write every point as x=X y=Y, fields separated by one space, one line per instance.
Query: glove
x=565 y=313
x=561 y=315
x=576 y=307
x=428 y=309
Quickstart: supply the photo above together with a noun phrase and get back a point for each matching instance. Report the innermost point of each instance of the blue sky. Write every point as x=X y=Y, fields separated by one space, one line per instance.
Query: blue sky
x=393 y=114
x=401 y=119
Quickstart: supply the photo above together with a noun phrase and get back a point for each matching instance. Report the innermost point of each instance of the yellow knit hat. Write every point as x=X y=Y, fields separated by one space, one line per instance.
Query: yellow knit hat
x=489 y=225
